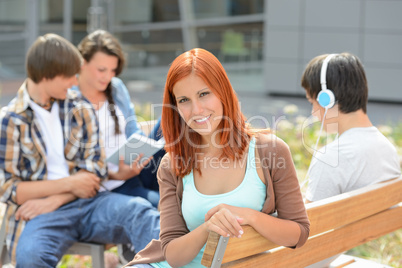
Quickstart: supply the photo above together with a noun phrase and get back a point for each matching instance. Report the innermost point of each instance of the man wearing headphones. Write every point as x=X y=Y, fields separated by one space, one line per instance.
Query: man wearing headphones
x=360 y=155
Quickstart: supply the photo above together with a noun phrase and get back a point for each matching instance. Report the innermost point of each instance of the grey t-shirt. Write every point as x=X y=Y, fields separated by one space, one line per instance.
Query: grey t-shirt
x=359 y=157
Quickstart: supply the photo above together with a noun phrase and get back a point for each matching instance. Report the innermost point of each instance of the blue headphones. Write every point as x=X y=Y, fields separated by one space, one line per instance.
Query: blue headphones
x=326 y=97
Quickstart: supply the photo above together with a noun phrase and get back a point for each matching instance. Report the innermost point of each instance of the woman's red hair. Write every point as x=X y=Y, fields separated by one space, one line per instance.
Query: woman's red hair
x=180 y=140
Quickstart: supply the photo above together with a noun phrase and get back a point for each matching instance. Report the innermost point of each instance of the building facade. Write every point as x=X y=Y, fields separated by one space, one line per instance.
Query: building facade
x=263 y=44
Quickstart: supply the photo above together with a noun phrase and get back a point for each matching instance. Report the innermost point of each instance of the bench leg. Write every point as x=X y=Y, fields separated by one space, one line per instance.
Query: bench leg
x=98 y=259
x=3 y=246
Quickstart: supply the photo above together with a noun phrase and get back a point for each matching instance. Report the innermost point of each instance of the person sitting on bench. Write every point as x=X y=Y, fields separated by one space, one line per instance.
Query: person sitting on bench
x=104 y=60
x=218 y=173
x=336 y=86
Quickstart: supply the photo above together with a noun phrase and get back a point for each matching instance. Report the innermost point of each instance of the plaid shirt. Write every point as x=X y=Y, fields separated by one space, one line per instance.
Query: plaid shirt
x=23 y=150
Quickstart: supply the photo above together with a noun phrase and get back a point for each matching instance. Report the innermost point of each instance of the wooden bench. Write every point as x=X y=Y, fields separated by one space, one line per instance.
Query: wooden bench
x=338 y=224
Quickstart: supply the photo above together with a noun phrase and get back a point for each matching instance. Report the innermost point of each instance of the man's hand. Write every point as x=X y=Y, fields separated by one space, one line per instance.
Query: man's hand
x=84 y=184
x=34 y=207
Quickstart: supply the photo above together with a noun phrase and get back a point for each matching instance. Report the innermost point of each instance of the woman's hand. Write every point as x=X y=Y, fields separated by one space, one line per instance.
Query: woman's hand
x=128 y=171
x=226 y=220
x=220 y=219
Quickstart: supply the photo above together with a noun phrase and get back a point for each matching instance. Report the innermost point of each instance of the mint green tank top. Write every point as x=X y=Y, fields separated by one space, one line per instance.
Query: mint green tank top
x=251 y=193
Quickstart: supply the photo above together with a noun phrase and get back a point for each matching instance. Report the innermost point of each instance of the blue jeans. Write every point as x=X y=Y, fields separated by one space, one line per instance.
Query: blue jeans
x=105 y=218
x=134 y=187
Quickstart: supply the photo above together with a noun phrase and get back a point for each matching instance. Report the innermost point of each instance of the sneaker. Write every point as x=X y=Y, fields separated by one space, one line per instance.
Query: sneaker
x=126 y=253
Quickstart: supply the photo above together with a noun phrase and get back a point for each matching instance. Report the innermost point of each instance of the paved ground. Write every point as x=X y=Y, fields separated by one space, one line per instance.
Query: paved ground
x=253 y=104
x=270 y=107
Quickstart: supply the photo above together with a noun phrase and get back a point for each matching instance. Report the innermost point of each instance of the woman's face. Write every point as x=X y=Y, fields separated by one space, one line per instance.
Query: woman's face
x=99 y=71
x=199 y=107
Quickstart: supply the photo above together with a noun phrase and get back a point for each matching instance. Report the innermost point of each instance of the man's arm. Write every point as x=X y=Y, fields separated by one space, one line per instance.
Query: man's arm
x=83 y=184
x=34 y=207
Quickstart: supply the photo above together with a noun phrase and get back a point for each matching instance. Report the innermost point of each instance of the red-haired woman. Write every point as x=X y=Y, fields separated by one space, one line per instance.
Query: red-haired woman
x=218 y=174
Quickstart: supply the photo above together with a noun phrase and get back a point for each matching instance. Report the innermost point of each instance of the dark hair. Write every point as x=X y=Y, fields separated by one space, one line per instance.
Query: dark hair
x=345 y=77
x=234 y=132
x=51 y=55
x=103 y=41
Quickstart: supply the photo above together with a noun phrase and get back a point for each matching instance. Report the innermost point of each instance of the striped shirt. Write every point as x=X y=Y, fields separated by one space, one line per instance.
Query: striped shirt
x=23 y=150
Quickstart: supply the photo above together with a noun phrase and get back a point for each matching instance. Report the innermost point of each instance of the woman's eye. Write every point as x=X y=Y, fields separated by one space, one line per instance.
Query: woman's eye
x=183 y=100
x=204 y=94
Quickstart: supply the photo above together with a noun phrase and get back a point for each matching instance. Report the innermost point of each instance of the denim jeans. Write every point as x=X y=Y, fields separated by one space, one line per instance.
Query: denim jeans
x=106 y=218
x=134 y=187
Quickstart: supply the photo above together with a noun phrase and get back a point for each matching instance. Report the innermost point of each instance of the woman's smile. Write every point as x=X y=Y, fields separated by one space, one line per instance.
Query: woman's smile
x=202 y=120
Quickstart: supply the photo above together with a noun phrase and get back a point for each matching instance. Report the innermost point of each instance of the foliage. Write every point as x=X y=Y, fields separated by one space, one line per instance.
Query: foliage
x=79 y=261
x=75 y=261
x=144 y=111
x=386 y=250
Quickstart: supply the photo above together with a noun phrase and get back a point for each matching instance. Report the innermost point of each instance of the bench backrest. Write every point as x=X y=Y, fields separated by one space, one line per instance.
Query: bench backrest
x=337 y=223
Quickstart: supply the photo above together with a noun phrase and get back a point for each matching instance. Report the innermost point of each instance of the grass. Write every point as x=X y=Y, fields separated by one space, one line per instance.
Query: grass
x=386 y=250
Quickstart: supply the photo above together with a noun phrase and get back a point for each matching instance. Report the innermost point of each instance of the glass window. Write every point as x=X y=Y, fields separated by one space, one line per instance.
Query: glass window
x=132 y=11
x=224 y=8
x=239 y=48
x=53 y=19
x=12 y=58
x=145 y=11
x=246 y=7
x=12 y=13
x=233 y=43
x=12 y=38
x=166 y=10
x=151 y=48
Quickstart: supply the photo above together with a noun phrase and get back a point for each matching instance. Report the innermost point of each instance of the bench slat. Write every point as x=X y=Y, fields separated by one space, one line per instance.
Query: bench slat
x=349 y=207
x=324 y=215
x=322 y=246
